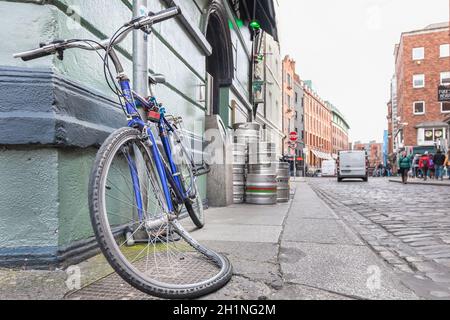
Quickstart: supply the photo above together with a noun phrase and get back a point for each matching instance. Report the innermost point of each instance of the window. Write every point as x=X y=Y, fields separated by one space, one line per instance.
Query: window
x=235 y=54
x=432 y=135
x=445 y=78
x=419 y=107
x=419 y=53
x=445 y=107
x=445 y=51
x=438 y=134
x=419 y=81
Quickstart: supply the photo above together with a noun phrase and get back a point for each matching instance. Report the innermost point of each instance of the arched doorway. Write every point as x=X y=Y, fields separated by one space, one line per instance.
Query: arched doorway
x=219 y=65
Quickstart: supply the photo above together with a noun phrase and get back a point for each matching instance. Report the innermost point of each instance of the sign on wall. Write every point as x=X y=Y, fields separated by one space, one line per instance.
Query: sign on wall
x=444 y=94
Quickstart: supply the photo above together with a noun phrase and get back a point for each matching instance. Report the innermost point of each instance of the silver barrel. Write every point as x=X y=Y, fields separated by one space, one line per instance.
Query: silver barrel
x=239 y=183
x=239 y=154
x=246 y=133
x=263 y=152
x=263 y=168
x=261 y=189
x=283 y=185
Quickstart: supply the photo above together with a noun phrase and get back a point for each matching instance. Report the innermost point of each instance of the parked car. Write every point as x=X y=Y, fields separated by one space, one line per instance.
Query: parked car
x=353 y=165
x=329 y=168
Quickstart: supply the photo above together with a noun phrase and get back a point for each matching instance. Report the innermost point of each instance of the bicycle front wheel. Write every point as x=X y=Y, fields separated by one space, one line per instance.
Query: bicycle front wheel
x=140 y=238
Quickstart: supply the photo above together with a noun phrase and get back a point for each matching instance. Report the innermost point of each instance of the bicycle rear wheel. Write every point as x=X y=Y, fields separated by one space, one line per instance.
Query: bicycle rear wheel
x=184 y=162
x=140 y=238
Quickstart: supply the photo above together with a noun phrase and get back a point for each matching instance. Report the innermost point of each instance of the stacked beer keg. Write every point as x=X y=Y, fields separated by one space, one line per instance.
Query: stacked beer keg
x=283 y=187
x=239 y=172
x=245 y=134
x=261 y=187
x=257 y=176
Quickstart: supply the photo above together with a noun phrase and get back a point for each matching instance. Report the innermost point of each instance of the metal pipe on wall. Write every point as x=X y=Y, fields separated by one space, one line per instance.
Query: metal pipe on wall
x=140 y=52
x=140 y=71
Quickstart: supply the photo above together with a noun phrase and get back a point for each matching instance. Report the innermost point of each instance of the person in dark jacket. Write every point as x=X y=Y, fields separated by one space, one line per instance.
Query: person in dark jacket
x=404 y=163
x=439 y=160
x=431 y=168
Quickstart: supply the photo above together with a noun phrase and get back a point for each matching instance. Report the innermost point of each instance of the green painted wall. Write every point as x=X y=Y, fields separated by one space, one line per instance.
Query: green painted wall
x=73 y=179
x=29 y=197
x=43 y=189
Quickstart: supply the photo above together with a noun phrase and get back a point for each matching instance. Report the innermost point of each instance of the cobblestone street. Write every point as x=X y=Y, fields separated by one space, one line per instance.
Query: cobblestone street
x=408 y=226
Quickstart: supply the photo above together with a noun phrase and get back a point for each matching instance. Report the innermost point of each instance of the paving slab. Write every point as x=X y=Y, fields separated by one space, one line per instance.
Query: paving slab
x=349 y=270
x=242 y=223
x=319 y=231
x=239 y=233
x=248 y=215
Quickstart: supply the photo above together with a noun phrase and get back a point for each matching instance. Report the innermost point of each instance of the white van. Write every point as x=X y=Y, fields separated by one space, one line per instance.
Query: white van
x=328 y=168
x=353 y=165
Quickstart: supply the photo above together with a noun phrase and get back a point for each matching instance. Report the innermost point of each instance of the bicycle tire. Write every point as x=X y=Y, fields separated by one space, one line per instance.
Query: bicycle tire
x=107 y=238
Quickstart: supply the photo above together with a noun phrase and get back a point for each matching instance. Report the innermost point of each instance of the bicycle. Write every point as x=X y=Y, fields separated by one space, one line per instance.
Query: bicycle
x=137 y=191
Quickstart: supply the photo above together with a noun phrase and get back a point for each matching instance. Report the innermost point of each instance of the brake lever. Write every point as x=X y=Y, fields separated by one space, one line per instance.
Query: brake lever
x=60 y=54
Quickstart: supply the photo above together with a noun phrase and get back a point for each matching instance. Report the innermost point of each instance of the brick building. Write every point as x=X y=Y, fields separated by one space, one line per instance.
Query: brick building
x=318 y=133
x=422 y=64
x=339 y=131
x=374 y=151
x=289 y=99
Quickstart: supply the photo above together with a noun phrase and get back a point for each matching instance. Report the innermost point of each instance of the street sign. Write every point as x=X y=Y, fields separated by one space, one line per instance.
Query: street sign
x=444 y=94
x=293 y=136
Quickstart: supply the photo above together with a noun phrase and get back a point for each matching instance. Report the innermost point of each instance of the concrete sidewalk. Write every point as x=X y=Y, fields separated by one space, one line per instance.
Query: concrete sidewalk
x=299 y=250
x=318 y=250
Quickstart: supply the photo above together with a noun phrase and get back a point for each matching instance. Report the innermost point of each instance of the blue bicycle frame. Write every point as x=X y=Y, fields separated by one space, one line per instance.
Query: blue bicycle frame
x=164 y=127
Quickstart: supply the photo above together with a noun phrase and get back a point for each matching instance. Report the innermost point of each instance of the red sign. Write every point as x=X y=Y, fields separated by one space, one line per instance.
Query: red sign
x=293 y=136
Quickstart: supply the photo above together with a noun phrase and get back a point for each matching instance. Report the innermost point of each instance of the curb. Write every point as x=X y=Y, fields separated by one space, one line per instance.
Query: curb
x=423 y=183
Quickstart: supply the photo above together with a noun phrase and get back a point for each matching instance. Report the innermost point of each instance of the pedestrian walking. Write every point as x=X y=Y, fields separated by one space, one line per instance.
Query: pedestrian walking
x=424 y=165
x=415 y=166
x=447 y=164
x=439 y=161
x=388 y=170
x=404 y=163
x=380 y=170
x=431 y=167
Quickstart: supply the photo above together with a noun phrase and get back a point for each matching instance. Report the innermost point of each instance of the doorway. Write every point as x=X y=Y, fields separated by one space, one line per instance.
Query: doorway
x=219 y=65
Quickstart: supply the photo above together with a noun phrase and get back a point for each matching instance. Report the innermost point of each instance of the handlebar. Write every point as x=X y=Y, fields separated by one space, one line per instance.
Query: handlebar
x=33 y=54
x=154 y=18
x=136 y=24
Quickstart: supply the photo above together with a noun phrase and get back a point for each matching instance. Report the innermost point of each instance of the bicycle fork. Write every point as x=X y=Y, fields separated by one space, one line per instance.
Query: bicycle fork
x=134 y=122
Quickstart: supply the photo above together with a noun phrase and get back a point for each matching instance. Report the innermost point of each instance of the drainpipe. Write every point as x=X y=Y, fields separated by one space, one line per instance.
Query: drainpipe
x=140 y=53
x=140 y=70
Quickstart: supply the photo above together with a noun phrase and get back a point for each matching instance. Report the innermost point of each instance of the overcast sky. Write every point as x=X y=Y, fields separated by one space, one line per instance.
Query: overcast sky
x=346 y=48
